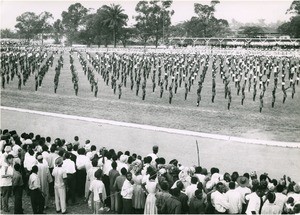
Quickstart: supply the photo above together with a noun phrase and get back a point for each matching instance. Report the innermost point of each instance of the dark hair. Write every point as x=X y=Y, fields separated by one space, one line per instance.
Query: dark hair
x=231 y=185
x=48 y=139
x=81 y=151
x=164 y=185
x=176 y=191
x=279 y=188
x=67 y=155
x=127 y=153
x=45 y=148
x=76 y=138
x=200 y=186
x=271 y=197
x=179 y=185
x=198 y=169
x=34 y=169
x=17 y=167
x=93 y=148
x=94 y=163
x=123 y=171
x=114 y=165
x=31 y=152
x=75 y=147
x=194 y=180
x=61 y=153
x=234 y=176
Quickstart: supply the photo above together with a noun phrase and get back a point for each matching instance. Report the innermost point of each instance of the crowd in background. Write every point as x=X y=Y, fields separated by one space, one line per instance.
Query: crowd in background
x=112 y=181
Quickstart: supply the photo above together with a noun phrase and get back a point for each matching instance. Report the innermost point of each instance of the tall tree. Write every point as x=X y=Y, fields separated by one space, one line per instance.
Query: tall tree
x=292 y=27
x=115 y=19
x=154 y=19
x=58 y=31
x=43 y=24
x=72 y=19
x=30 y=24
x=26 y=25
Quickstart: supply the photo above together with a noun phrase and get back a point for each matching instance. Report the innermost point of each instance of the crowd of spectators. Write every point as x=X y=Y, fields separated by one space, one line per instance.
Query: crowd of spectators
x=112 y=181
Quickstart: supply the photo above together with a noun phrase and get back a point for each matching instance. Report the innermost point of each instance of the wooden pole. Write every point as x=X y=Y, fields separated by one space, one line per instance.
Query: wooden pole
x=198 y=154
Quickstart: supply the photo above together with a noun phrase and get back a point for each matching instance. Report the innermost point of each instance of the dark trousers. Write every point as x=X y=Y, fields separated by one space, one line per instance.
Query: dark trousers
x=80 y=179
x=51 y=185
x=127 y=206
x=5 y=194
x=120 y=203
x=71 y=187
x=105 y=180
x=37 y=201
x=18 y=192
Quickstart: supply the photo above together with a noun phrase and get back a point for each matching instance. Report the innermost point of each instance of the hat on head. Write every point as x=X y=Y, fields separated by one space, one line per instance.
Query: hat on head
x=28 y=141
x=58 y=161
x=39 y=157
x=7 y=149
x=297 y=188
x=243 y=181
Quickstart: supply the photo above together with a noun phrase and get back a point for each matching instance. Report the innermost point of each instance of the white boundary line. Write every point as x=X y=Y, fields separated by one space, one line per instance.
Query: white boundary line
x=161 y=129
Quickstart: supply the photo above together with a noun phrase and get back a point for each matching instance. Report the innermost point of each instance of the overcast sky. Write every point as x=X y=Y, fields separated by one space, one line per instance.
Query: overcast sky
x=241 y=10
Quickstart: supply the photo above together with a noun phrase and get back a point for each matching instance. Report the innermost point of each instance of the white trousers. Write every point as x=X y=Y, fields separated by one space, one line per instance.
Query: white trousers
x=60 y=199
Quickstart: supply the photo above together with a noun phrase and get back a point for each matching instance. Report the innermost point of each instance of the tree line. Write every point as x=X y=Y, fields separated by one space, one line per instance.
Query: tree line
x=108 y=25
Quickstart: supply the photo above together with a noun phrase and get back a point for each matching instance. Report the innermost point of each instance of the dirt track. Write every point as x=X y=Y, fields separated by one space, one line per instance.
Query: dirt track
x=227 y=155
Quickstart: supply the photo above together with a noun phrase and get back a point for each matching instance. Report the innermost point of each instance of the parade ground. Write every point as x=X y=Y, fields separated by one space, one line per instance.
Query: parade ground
x=240 y=139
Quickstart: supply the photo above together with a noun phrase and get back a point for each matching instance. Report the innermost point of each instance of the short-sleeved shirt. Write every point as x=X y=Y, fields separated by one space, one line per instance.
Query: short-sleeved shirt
x=59 y=174
x=96 y=187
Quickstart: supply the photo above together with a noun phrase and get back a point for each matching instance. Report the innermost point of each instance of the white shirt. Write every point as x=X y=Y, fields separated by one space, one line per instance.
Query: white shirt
x=59 y=174
x=190 y=191
x=29 y=161
x=46 y=156
x=6 y=170
x=280 y=200
x=107 y=166
x=52 y=157
x=127 y=190
x=69 y=166
x=219 y=201
x=270 y=208
x=243 y=191
x=253 y=204
x=235 y=200
x=34 y=182
x=97 y=187
x=83 y=162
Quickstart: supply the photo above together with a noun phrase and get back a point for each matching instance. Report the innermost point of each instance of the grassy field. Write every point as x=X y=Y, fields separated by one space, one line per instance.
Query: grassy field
x=281 y=123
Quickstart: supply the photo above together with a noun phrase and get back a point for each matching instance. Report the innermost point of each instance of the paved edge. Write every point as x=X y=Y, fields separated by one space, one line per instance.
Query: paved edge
x=161 y=129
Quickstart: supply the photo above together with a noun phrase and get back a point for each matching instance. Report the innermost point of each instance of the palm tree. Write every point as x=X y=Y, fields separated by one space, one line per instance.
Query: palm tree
x=115 y=19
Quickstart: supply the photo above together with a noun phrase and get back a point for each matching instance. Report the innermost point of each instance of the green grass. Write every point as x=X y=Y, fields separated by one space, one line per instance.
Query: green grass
x=281 y=123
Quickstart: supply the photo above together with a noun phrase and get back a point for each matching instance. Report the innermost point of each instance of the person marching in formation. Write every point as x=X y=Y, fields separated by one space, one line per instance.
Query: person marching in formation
x=120 y=90
x=167 y=69
x=261 y=102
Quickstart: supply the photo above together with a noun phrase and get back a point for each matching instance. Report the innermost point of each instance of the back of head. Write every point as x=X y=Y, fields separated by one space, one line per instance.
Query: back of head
x=123 y=171
x=194 y=180
x=271 y=197
x=179 y=185
x=231 y=185
x=176 y=192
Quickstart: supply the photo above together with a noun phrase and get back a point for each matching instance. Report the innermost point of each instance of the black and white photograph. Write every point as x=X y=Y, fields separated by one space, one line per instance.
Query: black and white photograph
x=150 y=107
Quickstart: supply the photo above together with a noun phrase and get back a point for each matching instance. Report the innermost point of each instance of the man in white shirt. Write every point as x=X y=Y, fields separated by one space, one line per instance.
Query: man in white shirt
x=235 y=199
x=154 y=155
x=6 y=174
x=60 y=177
x=83 y=164
x=219 y=200
x=70 y=169
x=255 y=201
x=243 y=189
x=190 y=190
x=36 y=196
x=126 y=193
